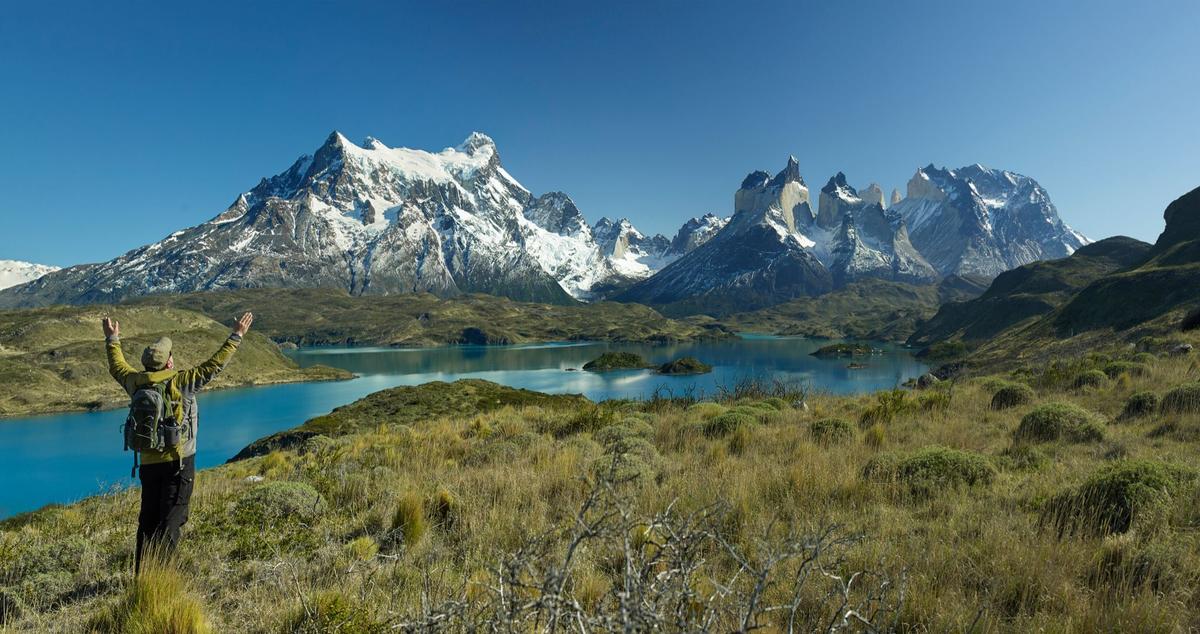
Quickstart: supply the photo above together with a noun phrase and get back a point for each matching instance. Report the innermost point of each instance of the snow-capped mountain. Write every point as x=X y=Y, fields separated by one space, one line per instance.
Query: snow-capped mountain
x=757 y=258
x=972 y=221
x=980 y=221
x=696 y=232
x=15 y=272
x=375 y=219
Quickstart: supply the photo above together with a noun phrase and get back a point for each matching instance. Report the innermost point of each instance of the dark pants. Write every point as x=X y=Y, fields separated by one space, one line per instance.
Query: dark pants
x=166 y=494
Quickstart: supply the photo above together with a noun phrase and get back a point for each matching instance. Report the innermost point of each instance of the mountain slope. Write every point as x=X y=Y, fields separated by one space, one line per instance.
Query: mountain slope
x=1029 y=291
x=371 y=220
x=16 y=272
x=1146 y=292
x=756 y=260
x=981 y=221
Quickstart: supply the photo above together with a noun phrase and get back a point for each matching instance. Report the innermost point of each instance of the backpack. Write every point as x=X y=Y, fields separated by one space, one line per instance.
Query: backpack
x=151 y=424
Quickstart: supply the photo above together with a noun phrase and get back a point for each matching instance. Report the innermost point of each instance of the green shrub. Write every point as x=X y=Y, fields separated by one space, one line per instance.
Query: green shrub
x=831 y=430
x=756 y=411
x=1139 y=405
x=1132 y=368
x=332 y=611
x=1023 y=458
x=934 y=400
x=1088 y=379
x=1144 y=358
x=706 y=410
x=1059 y=421
x=1130 y=564
x=929 y=470
x=722 y=425
x=280 y=500
x=1183 y=399
x=1117 y=497
x=888 y=405
x=874 y=436
x=1012 y=395
x=361 y=548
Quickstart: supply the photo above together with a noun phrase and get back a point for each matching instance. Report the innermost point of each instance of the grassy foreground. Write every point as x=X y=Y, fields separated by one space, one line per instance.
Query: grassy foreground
x=1057 y=498
x=52 y=359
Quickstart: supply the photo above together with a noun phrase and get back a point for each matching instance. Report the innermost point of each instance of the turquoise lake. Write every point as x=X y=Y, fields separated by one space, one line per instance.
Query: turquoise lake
x=59 y=458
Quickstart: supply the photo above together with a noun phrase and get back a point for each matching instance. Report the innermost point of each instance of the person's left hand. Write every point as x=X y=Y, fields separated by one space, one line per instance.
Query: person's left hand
x=112 y=327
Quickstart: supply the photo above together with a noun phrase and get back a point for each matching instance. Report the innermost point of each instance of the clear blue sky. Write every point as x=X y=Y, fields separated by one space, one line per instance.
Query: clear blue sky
x=123 y=123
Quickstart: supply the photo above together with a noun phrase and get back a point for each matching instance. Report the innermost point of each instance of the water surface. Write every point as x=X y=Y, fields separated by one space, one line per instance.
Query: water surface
x=59 y=458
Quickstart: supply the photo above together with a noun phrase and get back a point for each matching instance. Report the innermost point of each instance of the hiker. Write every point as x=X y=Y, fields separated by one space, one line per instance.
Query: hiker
x=161 y=429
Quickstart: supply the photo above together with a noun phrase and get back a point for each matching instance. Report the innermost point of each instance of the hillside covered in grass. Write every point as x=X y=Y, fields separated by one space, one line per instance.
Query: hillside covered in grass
x=866 y=309
x=1058 y=498
x=334 y=317
x=52 y=359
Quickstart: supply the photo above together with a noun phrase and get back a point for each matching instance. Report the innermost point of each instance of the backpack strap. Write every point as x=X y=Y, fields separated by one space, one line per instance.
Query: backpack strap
x=133 y=472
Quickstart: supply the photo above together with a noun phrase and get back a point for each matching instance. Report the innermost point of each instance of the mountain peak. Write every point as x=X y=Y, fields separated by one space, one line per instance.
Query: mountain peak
x=371 y=143
x=477 y=141
x=789 y=174
x=836 y=182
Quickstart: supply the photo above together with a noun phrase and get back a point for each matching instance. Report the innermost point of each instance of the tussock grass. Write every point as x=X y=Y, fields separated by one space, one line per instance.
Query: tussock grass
x=1059 y=421
x=156 y=601
x=1012 y=396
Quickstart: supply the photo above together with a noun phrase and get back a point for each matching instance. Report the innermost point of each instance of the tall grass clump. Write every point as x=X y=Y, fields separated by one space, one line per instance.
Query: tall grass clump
x=1059 y=421
x=1089 y=379
x=1183 y=399
x=1139 y=405
x=1012 y=395
x=156 y=601
x=332 y=611
x=1131 y=368
x=1115 y=498
x=888 y=405
x=725 y=424
x=930 y=470
x=408 y=522
x=830 y=431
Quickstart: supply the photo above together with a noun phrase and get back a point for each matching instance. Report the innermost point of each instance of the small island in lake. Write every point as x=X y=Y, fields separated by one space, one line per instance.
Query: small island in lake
x=844 y=350
x=616 y=361
x=685 y=365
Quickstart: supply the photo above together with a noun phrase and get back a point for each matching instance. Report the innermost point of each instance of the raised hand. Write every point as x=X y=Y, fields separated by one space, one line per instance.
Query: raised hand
x=243 y=324
x=112 y=327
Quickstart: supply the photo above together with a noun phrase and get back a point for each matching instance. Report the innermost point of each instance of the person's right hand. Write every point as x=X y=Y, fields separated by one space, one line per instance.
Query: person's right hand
x=112 y=327
x=243 y=324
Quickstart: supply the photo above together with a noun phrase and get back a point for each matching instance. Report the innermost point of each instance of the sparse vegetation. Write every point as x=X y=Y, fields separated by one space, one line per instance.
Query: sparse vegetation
x=455 y=506
x=844 y=350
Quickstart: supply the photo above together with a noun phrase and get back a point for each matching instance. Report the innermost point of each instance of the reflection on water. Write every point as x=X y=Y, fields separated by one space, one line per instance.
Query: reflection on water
x=62 y=457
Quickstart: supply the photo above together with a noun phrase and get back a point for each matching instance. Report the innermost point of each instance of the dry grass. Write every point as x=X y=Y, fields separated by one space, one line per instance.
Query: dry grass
x=426 y=522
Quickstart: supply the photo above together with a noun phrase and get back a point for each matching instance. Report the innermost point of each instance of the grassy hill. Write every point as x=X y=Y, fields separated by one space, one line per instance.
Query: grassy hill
x=52 y=359
x=1028 y=292
x=867 y=309
x=1059 y=508
x=329 y=316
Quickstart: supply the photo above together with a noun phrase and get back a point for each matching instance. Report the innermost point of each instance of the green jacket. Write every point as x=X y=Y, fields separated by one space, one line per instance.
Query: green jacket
x=182 y=387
